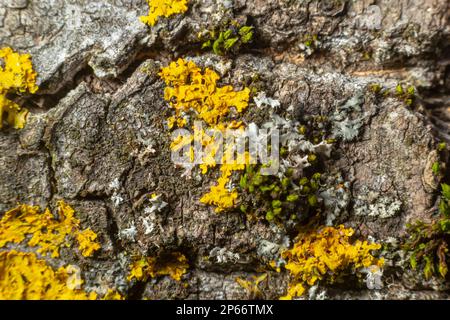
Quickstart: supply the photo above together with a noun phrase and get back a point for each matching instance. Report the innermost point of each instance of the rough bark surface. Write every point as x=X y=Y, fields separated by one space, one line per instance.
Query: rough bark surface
x=100 y=110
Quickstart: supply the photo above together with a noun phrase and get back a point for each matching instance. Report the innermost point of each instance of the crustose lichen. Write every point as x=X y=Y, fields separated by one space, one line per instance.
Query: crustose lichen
x=173 y=264
x=22 y=274
x=16 y=76
x=163 y=8
x=191 y=90
x=326 y=254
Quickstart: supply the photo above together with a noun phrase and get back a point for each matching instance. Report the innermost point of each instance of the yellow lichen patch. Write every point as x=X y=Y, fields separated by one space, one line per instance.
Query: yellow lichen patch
x=189 y=89
x=112 y=295
x=212 y=147
x=163 y=8
x=181 y=141
x=15 y=116
x=252 y=286
x=16 y=76
x=43 y=230
x=174 y=265
x=17 y=73
x=179 y=122
x=326 y=253
x=294 y=290
x=222 y=195
x=24 y=276
x=88 y=242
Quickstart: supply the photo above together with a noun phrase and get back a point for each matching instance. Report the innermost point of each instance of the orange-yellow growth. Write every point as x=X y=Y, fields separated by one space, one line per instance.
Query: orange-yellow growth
x=16 y=76
x=326 y=253
x=222 y=195
x=38 y=229
x=88 y=243
x=163 y=8
x=25 y=277
x=190 y=89
x=174 y=265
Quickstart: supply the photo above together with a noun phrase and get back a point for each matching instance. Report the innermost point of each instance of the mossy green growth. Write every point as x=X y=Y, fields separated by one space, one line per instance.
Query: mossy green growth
x=441 y=146
x=428 y=242
x=375 y=88
x=229 y=39
x=310 y=40
x=406 y=94
x=436 y=168
x=439 y=166
x=278 y=199
x=310 y=44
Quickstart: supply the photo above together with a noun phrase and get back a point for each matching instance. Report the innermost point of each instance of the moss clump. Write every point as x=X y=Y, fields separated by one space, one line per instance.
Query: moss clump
x=326 y=254
x=291 y=196
x=405 y=94
x=310 y=44
x=436 y=168
x=428 y=242
x=439 y=166
x=278 y=198
x=228 y=39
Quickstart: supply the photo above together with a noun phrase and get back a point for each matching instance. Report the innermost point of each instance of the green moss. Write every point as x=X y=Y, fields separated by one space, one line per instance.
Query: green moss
x=228 y=39
x=436 y=168
x=428 y=242
x=442 y=146
x=278 y=198
x=399 y=89
x=311 y=41
x=375 y=88
x=406 y=95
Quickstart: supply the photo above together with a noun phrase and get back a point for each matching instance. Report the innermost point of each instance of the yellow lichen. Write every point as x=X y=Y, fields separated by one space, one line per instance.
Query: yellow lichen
x=88 y=243
x=172 y=121
x=17 y=73
x=222 y=195
x=189 y=89
x=24 y=276
x=112 y=295
x=42 y=230
x=180 y=141
x=252 y=286
x=16 y=76
x=174 y=265
x=326 y=253
x=163 y=8
x=15 y=116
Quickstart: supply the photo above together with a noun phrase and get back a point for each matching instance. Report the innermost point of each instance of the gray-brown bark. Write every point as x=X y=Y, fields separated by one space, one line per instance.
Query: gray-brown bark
x=100 y=110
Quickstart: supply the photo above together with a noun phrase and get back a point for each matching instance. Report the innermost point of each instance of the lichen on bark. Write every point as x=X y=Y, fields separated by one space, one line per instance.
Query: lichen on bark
x=96 y=134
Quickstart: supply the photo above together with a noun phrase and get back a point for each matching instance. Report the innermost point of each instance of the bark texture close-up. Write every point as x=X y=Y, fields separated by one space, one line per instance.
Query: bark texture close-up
x=371 y=79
